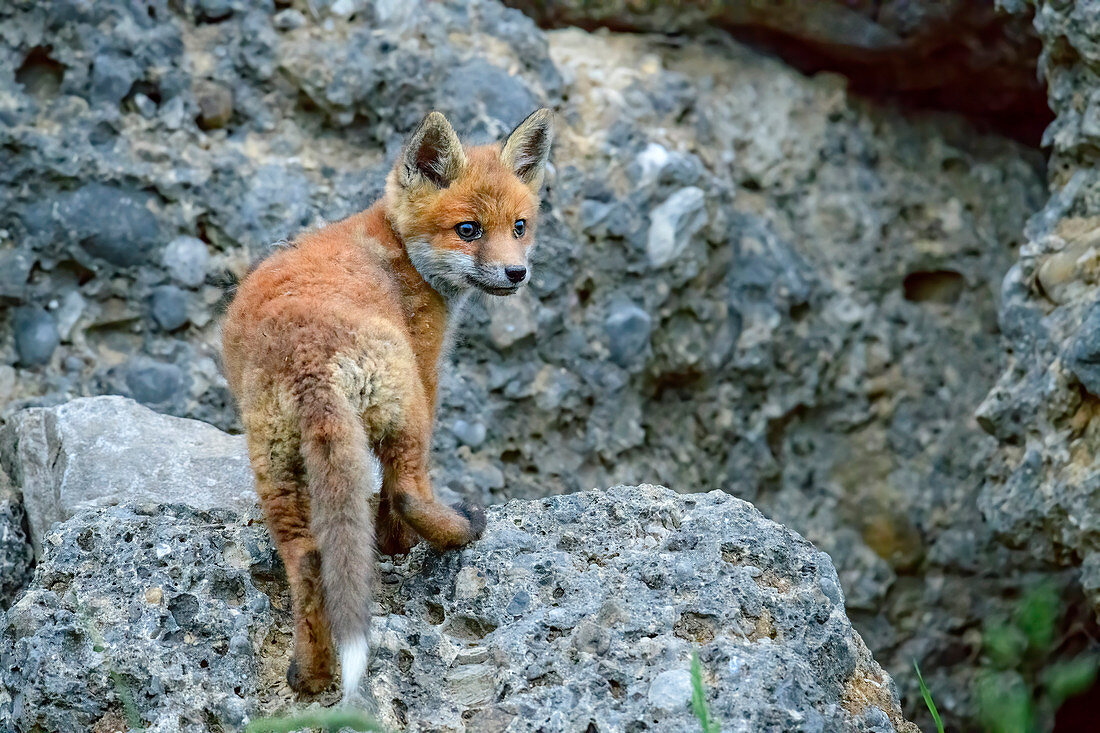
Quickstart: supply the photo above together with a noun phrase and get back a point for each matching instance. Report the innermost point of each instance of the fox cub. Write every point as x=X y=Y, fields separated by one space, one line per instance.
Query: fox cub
x=332 y=348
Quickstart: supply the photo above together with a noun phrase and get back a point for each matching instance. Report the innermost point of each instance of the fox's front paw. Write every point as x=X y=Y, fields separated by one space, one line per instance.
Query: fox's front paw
x=475 y=515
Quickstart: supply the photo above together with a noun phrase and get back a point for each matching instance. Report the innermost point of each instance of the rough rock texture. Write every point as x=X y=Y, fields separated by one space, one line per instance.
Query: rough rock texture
x=1043 y=492
x=747 y=278
x=572 y=613
x=163 y=604
x=960 y=55
x=16 y=554
x=105 y=450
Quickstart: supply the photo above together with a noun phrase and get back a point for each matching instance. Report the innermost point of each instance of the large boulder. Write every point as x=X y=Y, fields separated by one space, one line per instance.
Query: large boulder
x=1042 y=491
x=101 y=451
x=578 y=612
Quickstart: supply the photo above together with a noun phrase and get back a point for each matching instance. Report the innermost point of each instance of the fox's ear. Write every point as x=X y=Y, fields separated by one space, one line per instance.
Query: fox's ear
x=432 y=153
x=528 y=147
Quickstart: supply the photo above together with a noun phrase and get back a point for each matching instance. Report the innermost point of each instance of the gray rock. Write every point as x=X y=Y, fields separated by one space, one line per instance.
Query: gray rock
x=36 y=335
x=502 y=96
x=169 y=307
x=186 y=259
x=673 y=223
x=104 y=450
x=1041 y=490
x=576 y=611
x=627 y=327
x=153 y=382
x=671 y=691
x=114 y=224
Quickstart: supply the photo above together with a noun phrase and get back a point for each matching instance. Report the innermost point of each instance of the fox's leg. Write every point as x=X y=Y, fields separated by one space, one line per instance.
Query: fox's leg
x=395 y=536
x=407 y=489
x=285 y=503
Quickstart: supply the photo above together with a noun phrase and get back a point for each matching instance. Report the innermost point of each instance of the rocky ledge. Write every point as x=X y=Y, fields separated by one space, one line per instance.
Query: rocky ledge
x=578 y=612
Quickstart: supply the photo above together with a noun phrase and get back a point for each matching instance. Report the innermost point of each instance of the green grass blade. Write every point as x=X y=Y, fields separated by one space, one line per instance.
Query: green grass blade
x=927 y=695
x=699 y=698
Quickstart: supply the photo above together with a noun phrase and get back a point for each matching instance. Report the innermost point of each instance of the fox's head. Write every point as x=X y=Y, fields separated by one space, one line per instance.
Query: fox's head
x=467 y=215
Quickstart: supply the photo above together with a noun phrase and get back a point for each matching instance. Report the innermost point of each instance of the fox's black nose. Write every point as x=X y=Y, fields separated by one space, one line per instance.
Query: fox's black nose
x=515 y=273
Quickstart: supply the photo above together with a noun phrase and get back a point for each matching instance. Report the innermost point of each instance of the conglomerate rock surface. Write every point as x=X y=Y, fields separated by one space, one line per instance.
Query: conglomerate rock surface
x=577 y=612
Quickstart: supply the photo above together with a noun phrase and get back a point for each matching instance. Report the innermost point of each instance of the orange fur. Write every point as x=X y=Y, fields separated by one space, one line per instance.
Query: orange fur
x=331 y=349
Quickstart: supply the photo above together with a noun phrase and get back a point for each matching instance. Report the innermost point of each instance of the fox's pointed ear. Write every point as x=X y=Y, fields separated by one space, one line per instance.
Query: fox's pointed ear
x=528 y=147
x=432 y=153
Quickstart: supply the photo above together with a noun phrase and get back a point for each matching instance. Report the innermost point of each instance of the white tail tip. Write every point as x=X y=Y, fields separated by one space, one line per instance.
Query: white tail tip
x=353 y=663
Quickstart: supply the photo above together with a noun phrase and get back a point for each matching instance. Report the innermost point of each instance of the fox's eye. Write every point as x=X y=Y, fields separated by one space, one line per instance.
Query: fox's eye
x=520 y=227
x=468 y=230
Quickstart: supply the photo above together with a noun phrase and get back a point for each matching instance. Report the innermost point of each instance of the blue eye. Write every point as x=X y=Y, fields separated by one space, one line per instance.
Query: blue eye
x=468 y=230
x=520 y=227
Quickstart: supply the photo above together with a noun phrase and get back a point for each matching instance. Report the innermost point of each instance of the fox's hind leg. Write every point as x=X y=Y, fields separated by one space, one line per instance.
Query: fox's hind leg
x=395 y=536
x=280 y=483
x=407 y=489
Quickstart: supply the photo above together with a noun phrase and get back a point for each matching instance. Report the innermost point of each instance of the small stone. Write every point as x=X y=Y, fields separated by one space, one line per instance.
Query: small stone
x=15 y=270
x=152 y=382
x=186 y=259
x=215 y=105
x=145 y=106
x=124 y=238
x=154 y=595
x=214 y=10
x=343 y=8
x=112 y=78
x=627 y=328
x=35 y=335
x=7 y=382
x=289 y=19
x=471 y=434
x=68 y=312
x=670 y=690
x=674 y=223
x=169 y=307
x=511 y=320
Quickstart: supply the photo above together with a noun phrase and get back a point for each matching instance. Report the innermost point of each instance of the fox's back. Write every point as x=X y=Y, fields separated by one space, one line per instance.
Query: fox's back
x=314 y=300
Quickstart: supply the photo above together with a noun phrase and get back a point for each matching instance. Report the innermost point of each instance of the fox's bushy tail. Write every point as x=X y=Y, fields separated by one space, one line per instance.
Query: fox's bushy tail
x=340 y=473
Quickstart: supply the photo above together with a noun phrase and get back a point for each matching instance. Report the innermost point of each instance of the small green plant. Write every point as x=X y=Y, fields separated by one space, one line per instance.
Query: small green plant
x=1018 y=689
x=927 y=695
x=330 y=720
x=699 y=698
x=122 y=688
